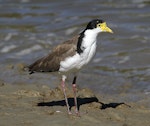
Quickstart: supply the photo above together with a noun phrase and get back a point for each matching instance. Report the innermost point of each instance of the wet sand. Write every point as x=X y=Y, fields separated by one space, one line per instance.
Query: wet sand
x=38 y=105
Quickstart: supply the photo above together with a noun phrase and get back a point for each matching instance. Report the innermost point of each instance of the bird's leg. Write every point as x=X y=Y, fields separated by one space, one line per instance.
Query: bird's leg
x=74 y=87
x=64 y=90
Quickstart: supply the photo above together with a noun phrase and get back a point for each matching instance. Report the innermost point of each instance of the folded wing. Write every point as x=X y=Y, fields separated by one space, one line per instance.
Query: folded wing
x=51 y=62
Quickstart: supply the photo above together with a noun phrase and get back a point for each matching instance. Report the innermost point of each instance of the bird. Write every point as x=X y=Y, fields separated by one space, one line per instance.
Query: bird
x=71 y=56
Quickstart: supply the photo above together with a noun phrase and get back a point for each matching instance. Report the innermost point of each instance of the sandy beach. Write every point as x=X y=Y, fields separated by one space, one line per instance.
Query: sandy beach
x=38 y=105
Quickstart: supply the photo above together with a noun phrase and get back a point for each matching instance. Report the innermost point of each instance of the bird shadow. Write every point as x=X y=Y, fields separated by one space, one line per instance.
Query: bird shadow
x=112 y=105
x=81 y=101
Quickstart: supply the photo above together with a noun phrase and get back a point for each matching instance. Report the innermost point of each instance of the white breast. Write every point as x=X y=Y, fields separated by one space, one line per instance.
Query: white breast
x=79 y=60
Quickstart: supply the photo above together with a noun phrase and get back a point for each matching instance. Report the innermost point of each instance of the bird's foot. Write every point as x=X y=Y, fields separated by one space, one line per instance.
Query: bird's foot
x=69 y=113
x=78 y=113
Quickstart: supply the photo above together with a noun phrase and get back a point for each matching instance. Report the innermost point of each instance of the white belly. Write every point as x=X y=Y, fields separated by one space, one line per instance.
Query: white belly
x=77 y=61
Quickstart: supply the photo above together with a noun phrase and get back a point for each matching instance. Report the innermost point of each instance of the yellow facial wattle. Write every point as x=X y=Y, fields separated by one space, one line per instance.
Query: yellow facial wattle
x=104 y=27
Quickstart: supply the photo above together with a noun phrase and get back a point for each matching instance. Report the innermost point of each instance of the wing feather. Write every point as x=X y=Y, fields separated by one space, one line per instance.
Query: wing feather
x=51 y=62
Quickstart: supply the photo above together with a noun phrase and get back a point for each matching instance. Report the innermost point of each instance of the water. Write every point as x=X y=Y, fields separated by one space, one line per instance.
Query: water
x=30 y=28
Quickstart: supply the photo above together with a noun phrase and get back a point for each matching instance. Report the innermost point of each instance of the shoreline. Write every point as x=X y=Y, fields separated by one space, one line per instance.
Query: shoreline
x=36 y=105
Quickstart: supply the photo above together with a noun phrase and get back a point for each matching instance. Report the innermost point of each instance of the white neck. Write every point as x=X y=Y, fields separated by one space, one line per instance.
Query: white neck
x=90 y=37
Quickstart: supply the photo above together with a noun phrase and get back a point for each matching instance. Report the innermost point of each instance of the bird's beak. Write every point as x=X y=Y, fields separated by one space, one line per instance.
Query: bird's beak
x=104 y=27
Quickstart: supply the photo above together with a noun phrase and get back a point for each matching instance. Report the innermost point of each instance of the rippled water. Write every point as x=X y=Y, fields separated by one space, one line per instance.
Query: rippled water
x=30 y=28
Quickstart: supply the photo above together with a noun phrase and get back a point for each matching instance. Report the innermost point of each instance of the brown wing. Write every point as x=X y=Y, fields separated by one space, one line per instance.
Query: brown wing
x=51 y=62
